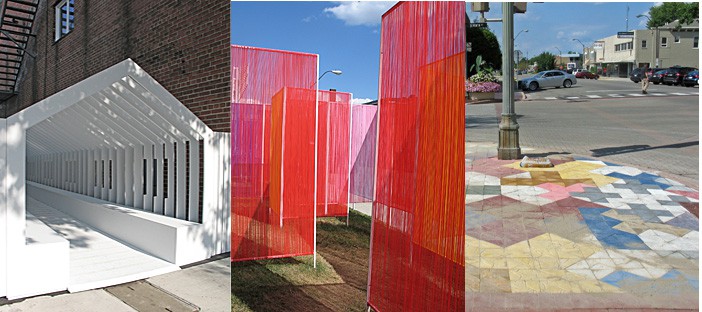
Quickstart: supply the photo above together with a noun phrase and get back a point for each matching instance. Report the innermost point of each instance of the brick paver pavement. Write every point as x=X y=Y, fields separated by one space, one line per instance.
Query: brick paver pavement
x=587 y=235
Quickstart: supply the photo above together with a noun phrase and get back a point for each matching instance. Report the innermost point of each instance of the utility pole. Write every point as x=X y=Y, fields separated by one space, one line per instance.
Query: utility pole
x=508 y=147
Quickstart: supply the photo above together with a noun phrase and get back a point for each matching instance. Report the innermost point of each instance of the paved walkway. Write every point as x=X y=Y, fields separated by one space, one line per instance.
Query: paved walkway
x=204 y=287
x=584 y=234
x=97 y=260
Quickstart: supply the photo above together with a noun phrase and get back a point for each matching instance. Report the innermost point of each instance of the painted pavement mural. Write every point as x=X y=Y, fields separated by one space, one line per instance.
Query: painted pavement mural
x=583 y=226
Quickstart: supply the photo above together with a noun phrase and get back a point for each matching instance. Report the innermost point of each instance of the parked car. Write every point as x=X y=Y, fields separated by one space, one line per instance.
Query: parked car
x=549 y=78
x=657 y=77
x=675 y=75
x=587 y=75
x=637 y=73
x=691 y=79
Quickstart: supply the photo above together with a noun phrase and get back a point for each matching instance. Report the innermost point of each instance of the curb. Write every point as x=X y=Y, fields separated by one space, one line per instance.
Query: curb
x=518 y=96
x=688 y=182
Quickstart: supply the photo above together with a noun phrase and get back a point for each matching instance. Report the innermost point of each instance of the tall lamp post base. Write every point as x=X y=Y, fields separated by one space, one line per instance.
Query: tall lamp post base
x=508 y=147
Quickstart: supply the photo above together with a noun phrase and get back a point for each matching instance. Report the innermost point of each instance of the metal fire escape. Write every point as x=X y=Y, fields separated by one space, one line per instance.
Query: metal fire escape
x=16 y=22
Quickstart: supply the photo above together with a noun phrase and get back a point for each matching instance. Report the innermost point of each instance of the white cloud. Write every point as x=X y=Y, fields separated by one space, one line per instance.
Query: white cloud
x=360 y=13
x=360 y=101
x=560 y=35
x=580 y=33
x=309 y=18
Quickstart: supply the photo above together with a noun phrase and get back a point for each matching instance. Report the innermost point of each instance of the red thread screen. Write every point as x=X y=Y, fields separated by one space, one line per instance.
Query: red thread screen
x=333 y=153
x=272 y=91
x=364 y=123
x=418 y=229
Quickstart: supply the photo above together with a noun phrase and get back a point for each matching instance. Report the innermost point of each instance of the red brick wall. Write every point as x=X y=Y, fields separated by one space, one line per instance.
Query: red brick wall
x=183 y=44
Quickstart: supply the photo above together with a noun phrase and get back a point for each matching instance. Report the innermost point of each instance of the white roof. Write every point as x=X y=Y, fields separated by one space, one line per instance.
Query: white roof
x=118 y=107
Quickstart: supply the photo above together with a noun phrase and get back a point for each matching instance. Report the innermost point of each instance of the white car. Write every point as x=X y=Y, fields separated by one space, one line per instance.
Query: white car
x=549 y=78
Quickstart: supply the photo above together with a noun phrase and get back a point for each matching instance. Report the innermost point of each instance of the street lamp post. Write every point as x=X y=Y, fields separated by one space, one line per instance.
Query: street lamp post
x=514 y=40
x=508 y=146
x=333 y=71
x=656 y=37
x=581 y=43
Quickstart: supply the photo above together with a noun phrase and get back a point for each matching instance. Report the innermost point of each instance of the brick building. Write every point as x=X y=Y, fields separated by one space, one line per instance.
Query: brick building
x=184 y=45
x=115 y=118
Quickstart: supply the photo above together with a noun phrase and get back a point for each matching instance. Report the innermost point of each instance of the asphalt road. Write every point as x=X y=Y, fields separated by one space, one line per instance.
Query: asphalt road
x=606 y=88
x=654 y=133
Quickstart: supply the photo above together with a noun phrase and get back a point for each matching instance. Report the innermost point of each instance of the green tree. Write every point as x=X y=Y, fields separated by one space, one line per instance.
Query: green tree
x=483 y=42
x=544 y=61
x=671 y=11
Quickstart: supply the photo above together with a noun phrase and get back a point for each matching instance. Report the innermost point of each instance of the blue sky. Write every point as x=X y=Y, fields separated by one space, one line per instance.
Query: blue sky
x=555 y=24
x=346 y=35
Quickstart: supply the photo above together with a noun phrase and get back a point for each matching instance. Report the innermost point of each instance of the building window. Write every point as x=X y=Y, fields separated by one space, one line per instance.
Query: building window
x=64 y=18
x=624 y=46
x=643 y=44
x=676 y=38
x=664 y=42
x=696 y=42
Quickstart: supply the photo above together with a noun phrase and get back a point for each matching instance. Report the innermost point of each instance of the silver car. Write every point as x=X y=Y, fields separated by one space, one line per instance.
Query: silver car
x=549 y=78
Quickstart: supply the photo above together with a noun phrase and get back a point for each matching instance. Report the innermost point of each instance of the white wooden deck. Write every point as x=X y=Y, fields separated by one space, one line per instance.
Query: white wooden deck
x=96 y=260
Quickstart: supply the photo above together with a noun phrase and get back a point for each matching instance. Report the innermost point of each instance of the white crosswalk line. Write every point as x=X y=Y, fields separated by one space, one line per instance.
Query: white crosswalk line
x=615 y=95
x=658 y=94
x=678 y=93
x=594 y=96
x=572 y=97
x=636 y=94
x=550 y=98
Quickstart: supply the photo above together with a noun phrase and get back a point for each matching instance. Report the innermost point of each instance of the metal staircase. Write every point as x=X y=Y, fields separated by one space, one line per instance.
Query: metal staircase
x=16 y=22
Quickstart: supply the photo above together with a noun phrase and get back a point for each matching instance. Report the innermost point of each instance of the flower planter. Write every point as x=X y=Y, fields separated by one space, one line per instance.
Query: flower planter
x=481 y=95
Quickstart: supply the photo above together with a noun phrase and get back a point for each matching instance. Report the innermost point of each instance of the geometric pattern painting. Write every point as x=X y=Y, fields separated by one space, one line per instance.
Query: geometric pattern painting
x=417 y=237
x=582 y=226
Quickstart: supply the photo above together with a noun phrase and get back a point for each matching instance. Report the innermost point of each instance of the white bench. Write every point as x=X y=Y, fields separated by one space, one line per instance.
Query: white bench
x=176 y=241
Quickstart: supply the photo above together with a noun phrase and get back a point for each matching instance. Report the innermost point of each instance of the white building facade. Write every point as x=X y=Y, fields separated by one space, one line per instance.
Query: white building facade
x=108 y=181
x=669 y=45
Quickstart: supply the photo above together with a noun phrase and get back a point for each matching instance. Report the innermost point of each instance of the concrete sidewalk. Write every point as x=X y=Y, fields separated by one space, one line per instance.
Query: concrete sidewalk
x=205 y=286
x=585 y=234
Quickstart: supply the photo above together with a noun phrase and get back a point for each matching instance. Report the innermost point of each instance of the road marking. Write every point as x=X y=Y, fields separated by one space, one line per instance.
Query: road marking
x=636 y=94
x=677 y=93
x=627 y=90
x=594 y=96
x=550 y=98
x=695 y=93
x=615 y=95
x=658 y=94
x=572 y=97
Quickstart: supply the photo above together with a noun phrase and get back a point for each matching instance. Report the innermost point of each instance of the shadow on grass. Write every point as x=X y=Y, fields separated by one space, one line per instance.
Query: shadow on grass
x=292 y=284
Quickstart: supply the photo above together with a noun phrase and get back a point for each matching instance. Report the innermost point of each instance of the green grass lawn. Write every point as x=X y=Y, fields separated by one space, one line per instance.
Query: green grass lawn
x=293 y=284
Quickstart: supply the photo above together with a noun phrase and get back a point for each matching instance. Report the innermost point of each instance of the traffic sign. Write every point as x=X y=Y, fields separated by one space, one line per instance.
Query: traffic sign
x=477 y=25
x=625 y=34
